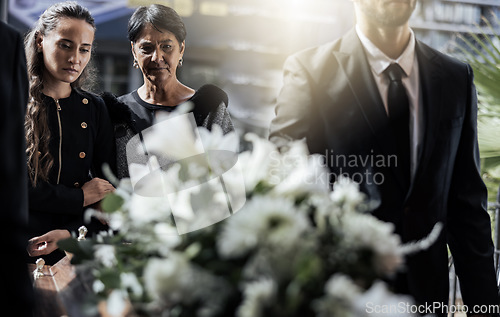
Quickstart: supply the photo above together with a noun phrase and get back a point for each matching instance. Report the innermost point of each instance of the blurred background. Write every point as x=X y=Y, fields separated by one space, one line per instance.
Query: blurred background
x=240 y=45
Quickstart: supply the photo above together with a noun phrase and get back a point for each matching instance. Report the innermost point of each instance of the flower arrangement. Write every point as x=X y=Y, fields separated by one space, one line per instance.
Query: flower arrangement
x=294 y=248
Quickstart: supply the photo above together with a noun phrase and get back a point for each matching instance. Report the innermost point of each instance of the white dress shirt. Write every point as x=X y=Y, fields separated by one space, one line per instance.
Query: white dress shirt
x=411 y=81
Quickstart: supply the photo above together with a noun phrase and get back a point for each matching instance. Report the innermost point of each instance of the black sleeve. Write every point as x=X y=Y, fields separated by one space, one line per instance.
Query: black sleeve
x=55 y=198
x=469 y=225
x=221 y=118
x=293 y=105
x=211 y=104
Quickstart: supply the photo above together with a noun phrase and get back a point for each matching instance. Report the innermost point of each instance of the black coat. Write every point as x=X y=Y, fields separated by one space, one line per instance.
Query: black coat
x=87 y=143
x=18 y=291
x=331 y=99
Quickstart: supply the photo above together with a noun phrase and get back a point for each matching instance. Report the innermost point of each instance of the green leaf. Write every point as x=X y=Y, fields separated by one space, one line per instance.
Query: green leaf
x=82 y=250
x=110 y=278
x=69 y=245
x=112 y=203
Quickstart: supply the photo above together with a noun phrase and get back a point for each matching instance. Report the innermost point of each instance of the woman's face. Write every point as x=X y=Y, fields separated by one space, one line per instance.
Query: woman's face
x=157 y=54
x=66 y=50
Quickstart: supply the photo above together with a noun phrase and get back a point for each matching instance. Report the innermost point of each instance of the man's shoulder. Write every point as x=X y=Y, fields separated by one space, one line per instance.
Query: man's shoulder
x=320 y=52
x=445 y=60
x=315 y=60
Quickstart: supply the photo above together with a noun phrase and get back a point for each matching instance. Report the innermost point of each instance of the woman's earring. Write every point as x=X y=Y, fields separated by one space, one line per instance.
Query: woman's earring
x=180 y=62
x=135 y=64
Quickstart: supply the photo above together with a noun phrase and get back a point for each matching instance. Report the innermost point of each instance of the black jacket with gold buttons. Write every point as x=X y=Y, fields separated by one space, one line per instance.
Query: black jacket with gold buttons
x=81 y=141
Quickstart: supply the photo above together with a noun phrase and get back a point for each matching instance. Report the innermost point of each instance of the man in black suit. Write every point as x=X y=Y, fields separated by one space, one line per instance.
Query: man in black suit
x=16 y=288
x=399 y=118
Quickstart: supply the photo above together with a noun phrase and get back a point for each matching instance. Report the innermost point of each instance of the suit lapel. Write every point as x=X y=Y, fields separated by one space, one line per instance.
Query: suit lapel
x=352 y=61
x=432 y=99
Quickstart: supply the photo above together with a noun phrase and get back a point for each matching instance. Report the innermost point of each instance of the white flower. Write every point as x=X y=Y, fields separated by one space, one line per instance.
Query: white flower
x=423 y=244
x=174 y=136
x=257 y=163
x=340 y=298
x=283 y=164
x=153 y=180
x=167 y=237
x=388 y=304
x=105 y=254
x=269 y=221
x=168 y=279
x=130 y=281
x=98 y=286
x=346 y=194
x=257 y=295
x=199 y=206
x=341 y=286
x=116 y=303
x=102 y=235
x=216 y=140
x=366 y=231
x=143 y=210
x=308 y=176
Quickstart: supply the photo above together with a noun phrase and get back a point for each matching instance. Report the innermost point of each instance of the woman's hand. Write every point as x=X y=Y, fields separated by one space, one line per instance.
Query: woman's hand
x=46 y=243
x=95 y=190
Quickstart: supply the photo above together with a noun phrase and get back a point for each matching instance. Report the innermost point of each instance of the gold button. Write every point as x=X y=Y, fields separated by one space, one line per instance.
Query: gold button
x=85 y=101
x=77 y=184
x=84 y=125
x=82 y=154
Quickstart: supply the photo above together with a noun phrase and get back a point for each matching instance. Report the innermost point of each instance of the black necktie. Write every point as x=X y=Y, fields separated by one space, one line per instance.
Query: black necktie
x=399 y=118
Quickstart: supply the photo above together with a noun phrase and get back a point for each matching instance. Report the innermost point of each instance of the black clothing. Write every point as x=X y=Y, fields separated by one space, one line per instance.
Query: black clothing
x=131 y=115
x=85 y=143
x=17 y=290
x=330 y=97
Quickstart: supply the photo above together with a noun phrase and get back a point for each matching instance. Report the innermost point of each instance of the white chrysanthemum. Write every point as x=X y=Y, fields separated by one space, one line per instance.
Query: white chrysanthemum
x=105 y=254
x=346 y=195
x=258 y=163
x=183 y=143
x=366 y=231
x=144 y=210
x=116 y=303
x=169 y=278
x=256 y=296
x=268 y=221
x=104 y=235
x=341 y=286
x=340 y=298
x=98 y=286
x=217 y=140
x=199 y=206
x=153 y=180
x=379 y=301
x=296 y=173
x=167 y=235
x=130 y=282
x=423 y=244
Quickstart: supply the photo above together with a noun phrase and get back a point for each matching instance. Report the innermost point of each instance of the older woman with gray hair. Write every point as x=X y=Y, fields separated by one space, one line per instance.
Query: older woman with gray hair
x=157 y=36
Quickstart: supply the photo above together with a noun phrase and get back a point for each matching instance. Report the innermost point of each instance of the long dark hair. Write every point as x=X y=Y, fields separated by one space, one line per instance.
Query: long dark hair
x=40 y=161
